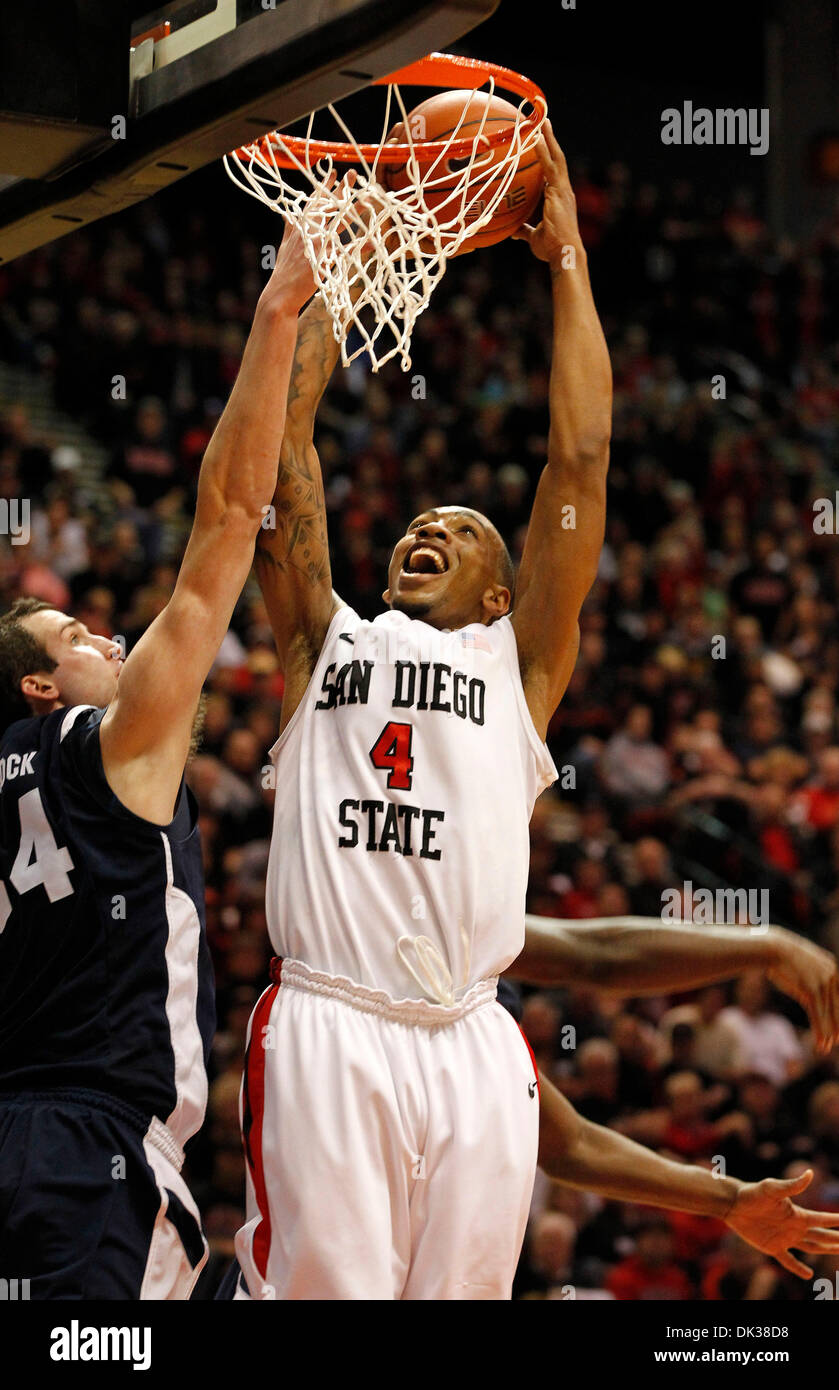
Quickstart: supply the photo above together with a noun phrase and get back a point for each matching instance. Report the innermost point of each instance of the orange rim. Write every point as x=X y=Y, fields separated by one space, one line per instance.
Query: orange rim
x=437 y=70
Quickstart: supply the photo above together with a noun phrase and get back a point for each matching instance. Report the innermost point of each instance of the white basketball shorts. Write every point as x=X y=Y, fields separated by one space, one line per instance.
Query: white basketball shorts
x=390 y=1146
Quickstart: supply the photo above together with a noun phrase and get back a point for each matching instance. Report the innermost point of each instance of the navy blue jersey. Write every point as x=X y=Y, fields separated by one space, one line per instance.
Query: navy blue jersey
x=510 y=996
x=105 y=976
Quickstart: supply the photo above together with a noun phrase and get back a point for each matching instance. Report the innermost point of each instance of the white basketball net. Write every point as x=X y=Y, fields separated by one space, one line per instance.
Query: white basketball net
x=390 y=256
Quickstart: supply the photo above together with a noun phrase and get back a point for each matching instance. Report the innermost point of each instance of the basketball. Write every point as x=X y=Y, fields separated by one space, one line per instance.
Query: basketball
x=436 y=119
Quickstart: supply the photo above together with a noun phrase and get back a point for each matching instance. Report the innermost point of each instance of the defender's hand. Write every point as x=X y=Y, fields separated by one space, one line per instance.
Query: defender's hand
x=558 y=227
x=809 y=975
x=764 y=1215
x=292 y=282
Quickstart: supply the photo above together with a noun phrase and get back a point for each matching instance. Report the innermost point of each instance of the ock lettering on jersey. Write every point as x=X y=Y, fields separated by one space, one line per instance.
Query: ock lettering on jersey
x=16 y=765
x=435 y=686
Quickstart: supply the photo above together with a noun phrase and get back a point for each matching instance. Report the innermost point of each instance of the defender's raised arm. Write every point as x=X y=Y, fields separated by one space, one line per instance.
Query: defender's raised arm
x=567 y=523
x=146 y=732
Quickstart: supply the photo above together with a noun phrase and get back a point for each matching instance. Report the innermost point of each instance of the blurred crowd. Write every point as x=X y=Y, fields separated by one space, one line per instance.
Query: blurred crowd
x=699 y=738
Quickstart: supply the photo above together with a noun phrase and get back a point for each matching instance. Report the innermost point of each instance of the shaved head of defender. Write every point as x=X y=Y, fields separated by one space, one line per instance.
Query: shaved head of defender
x=451 y=568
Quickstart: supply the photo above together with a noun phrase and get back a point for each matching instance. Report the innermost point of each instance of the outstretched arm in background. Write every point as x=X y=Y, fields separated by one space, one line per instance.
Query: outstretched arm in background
x=643 y=955
x=581 y=1154
x=146 y=731
x=566 y=528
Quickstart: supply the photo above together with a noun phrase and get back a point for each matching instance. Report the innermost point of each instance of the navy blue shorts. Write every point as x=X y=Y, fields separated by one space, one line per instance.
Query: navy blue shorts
x=79 y=1200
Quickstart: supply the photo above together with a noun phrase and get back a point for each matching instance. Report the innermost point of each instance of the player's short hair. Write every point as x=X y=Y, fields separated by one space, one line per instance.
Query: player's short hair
x=21 y=654
x=506 y=569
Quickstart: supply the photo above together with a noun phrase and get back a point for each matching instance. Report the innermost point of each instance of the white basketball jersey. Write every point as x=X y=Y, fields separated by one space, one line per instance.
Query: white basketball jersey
x=405 y=781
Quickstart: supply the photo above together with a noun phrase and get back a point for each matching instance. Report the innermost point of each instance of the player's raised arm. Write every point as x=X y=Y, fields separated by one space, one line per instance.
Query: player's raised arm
x=292 y=556
x=643 y=955
x=146 y=731
x=566 y=526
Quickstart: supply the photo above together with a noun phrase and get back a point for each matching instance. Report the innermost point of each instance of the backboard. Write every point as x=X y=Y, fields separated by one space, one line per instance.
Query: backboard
x=104 y=102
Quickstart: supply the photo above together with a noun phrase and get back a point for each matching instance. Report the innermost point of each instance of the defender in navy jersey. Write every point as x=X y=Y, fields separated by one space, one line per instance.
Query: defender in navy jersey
x=107 y=1012
x=106 y=992
x=86 y=1001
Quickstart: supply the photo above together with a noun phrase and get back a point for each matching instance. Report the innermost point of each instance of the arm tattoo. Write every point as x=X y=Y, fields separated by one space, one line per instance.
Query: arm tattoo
x=314 y=358
x=298 y=541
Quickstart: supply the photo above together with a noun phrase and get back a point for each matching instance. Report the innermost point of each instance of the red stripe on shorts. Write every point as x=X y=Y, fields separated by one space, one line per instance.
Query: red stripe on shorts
x=533 y=1060
x=253 y=1116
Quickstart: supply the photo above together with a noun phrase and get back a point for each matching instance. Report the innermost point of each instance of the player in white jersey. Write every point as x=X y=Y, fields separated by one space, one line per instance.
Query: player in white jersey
x=417 y=747
x=390 y=1111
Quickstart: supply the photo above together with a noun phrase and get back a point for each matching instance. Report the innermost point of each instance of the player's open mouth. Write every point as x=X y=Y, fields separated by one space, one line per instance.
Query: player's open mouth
x=424 y=559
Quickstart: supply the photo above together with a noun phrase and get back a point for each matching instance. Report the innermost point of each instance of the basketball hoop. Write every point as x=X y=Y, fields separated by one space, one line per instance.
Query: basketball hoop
x=381 y=248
